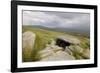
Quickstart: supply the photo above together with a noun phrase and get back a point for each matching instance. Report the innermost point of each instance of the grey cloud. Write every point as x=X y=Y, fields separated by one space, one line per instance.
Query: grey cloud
x=57 y=19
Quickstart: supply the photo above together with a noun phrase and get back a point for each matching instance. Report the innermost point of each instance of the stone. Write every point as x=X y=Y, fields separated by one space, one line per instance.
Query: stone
x=72 y=48
x=28 y=39
x=79 y=49
x=70 y=39
x=68 y=51
x=86 y=53
x=57 y=48
x=60 y=55
x=46 y=52
x=53 y=42
x=64 y=56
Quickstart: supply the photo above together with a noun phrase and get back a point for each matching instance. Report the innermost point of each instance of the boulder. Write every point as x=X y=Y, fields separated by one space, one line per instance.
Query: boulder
x=28 y=39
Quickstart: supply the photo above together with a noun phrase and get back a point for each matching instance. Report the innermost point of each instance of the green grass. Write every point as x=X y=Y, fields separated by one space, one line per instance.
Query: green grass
x=44 y=37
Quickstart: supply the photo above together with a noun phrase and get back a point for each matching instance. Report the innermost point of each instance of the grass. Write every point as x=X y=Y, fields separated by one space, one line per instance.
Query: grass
x=44 y=37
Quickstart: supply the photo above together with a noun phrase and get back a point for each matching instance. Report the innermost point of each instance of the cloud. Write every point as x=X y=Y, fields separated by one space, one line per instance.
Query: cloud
x=56 y=19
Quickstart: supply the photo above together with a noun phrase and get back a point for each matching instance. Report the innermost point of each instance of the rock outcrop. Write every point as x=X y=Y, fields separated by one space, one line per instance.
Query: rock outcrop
x=55 y=53
x=28 y=41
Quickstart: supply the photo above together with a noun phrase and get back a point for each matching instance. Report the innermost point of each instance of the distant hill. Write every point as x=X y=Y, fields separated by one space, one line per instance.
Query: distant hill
x=80 y=31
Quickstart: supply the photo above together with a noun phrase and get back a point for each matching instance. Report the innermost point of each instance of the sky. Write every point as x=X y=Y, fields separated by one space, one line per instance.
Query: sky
x=57 y=19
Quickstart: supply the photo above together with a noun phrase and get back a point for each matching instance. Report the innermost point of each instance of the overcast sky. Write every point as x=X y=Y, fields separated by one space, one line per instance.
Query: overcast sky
x=57 y=19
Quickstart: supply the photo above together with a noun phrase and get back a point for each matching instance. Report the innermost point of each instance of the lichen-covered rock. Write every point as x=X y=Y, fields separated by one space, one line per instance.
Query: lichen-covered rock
x=55 y=53
x=46 y=52
x=76 y=48
x=57 y=48
x=86 y=53
x=60 y=55
x=72 y=48
x=68 y=51
x=64 y=56
x=28 y=39
x=79 y=49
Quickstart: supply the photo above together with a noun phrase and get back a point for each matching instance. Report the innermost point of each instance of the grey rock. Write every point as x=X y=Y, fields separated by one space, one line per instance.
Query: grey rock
x=28 y=39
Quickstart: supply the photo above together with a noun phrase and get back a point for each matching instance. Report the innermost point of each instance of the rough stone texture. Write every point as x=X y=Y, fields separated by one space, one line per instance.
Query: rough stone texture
x=86 y=53
x=70 y=39
x=68 y=51
x=28 y=39
x=47 y=52
x=60 y=55
x=72 y=48
x=63 y=55
x=79 y=49
x=55 y=53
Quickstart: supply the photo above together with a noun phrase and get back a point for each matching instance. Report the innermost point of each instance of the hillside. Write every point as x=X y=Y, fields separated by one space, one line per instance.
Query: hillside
x=45 y=38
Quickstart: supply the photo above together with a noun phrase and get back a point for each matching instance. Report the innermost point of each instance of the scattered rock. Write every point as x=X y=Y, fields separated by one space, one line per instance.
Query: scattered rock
x=60 y=55
x=53 y=53
x=76 y=48
x=46 y=52
x=64 y=55
x=79 y=49
x=68 y=51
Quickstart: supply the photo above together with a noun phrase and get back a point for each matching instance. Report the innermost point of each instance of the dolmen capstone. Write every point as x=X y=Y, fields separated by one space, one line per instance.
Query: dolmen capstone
x=64 y=42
